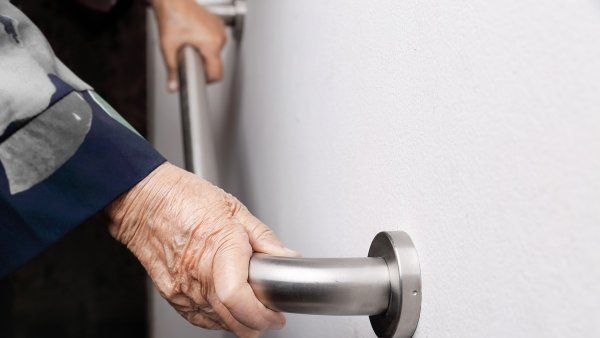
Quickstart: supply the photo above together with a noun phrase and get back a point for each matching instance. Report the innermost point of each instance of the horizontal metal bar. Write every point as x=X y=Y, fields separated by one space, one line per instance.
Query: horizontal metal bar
x=331 y=286
x=385 y=286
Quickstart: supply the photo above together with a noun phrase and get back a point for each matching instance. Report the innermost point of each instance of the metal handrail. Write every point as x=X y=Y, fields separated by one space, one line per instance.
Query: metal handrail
x=385 y=286
x=198 y=147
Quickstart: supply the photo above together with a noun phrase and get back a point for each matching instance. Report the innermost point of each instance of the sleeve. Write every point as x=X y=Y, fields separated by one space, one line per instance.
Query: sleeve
x=64 y=152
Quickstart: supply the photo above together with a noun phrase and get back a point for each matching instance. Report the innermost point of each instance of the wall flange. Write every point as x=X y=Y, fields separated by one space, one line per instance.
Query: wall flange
x=402 y=315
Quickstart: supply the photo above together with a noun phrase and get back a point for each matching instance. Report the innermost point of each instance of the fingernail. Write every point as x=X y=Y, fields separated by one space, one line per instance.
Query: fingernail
x=172 y=85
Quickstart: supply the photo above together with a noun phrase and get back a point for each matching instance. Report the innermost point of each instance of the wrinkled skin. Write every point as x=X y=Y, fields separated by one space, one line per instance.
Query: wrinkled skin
x=185 y=22
x=195 y=241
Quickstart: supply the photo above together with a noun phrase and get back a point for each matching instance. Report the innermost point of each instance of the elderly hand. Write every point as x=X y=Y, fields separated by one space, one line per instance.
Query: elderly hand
x=186 y=22
x=195 y=241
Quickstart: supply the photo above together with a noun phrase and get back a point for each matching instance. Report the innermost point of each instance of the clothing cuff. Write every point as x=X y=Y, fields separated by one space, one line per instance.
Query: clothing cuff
x=64 y=166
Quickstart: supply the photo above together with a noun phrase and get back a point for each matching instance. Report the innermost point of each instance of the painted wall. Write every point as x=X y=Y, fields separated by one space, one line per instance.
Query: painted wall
x=474 y=126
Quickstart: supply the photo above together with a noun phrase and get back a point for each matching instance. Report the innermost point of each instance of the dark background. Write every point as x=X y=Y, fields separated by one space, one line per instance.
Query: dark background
x=87 y=284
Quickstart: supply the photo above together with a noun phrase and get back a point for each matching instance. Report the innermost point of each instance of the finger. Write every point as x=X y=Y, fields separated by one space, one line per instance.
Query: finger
x=213 y=67
x=262 y=238
x=169 y=51
x=230 y=322
x=194 y=293
x=198 y=319
x=230 y=268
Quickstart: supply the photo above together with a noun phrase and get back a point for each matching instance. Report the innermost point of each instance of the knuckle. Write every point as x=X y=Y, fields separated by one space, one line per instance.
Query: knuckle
x=218 y=40
x=235 y=205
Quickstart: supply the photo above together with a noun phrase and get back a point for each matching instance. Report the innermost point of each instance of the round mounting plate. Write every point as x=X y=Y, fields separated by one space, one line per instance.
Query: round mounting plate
x=402 y=316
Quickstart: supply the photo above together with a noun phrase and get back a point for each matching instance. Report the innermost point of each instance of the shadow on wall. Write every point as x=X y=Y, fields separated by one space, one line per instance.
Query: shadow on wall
x=86 y=285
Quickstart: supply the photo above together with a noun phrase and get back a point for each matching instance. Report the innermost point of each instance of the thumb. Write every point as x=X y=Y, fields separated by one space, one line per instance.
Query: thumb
x=262 y=238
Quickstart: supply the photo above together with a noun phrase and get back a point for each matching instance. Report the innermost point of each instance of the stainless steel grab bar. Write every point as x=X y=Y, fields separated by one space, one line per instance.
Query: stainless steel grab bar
x=327 y=286
x=198 y=147
x=386 y=285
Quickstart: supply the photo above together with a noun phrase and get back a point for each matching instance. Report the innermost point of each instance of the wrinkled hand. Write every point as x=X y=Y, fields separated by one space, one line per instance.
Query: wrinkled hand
x=195 y=241
x=186 y=22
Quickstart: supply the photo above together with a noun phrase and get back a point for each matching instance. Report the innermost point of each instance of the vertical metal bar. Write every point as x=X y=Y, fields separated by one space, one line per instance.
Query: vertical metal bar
x=198 y=146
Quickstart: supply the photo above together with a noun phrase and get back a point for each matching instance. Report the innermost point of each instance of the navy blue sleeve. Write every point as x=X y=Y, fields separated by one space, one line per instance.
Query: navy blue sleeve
x=110 y=160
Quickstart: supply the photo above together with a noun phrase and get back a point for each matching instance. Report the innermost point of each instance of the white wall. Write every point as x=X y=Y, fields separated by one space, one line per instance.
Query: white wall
x=473 y=125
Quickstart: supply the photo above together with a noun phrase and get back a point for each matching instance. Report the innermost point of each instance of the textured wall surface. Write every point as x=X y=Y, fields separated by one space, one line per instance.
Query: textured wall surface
x=474 y=126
